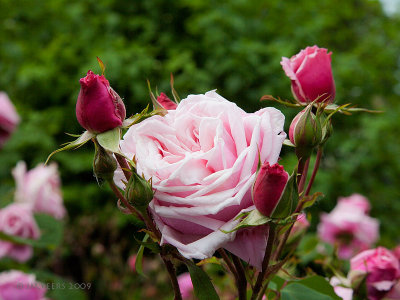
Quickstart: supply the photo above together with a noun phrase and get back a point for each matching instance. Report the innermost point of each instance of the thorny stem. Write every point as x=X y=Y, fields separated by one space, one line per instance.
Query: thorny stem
x=241 y=279
x=315 y=170
x=265 y=263
x=172 y=276
x=228 y=262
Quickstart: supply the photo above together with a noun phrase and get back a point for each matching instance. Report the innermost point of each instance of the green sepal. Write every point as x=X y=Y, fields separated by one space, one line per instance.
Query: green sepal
x=289 y=199
x=81 y=140
x=110 y=139
x=211 y=260
x=153 y=246
x=177 y=99
x=280 y=101
x=311 y=199
x=344 y=109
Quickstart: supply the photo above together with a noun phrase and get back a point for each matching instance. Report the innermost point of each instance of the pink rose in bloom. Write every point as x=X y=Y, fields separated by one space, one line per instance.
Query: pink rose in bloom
x=17 y=219
x=268 y=188
x=16 y=285
x=357 y=201
x=382 y=269
x=165 y=102
x=300 y=225
x=99 y=108
x=348 y=227
x=311 y=74
x=9 y=118
x=185 y=285
x=40 y=187
x=202 y=158
x=343 y=292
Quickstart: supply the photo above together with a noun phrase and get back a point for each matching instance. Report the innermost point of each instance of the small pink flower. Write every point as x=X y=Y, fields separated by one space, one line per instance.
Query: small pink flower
x=9 y=118
x=300 y=225
x=40 y=187
x=17 y=219
x=99 y=108
x=268 y=187
x=348 y=227
x=16 y=285
x=185 y=285
x=382 y=269
x=165 y=102
x=311 y=74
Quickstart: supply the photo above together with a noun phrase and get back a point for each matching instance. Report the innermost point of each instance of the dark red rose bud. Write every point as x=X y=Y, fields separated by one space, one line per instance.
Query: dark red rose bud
x=165 y=102
x=99 y=108
x=268 y=188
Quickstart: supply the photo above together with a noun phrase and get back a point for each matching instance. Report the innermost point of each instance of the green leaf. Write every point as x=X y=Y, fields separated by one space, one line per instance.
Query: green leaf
x=289 y=199
x=287 y=142
x=319 y=284
x=310 y=200
x=154 y=247
x=109 y=140
x=203 y=288
x=139 y=257
x=296 y=291
x=254 y=218
x=61 y=289
x=81 y=140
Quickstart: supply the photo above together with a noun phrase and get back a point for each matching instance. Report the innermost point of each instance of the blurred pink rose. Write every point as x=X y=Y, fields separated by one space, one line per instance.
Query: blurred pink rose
x=9 y=118
x=311 y=74
x=394 y=293
x=268 y=187
x=382 y=269
x=348 y=227
x=185 y=285
x=39 y=187
x=300 y=225
x=17 y=219
x=16 y=285
x=202 y=158
x=99 y=108
x=132 y=262
x=355 y=201
x=343 y=292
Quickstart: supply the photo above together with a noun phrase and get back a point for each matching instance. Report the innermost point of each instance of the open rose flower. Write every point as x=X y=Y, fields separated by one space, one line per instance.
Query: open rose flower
x=9 y=118
x=382 y=269
x=40 y=187
x=17 y=220
x=202 y=158
x=311 y=74
x=16 y=285
x=348 y=227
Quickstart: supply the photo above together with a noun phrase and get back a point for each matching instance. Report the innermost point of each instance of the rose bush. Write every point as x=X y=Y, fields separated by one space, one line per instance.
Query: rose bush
x=202 y=158
x=17 y=219
x=16 y=285
x=40 y=188
x=311 y=74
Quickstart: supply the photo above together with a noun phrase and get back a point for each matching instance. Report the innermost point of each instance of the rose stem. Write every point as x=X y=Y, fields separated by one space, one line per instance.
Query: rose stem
x=124 y=165
x=228 y=262
x=149 y=223
x=241 y=280
x=315 y=170
x=172 y=277
x=265 y=263
x=303 y=175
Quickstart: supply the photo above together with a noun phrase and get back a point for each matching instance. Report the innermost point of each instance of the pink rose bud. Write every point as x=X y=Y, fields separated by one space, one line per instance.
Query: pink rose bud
x=185 y=285
x=8 y=118
x=305 y=132
x=99 y=108
x=382 y=269
x=268 y=188
x=311 y=74
x=17 y=219
x=165 y=102
x=15 y=285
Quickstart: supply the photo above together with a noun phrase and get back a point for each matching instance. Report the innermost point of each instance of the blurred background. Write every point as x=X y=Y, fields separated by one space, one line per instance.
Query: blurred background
x=233 y=46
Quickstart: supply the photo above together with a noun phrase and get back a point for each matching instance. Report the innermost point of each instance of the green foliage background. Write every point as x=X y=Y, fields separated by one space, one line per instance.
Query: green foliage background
x=233 y=46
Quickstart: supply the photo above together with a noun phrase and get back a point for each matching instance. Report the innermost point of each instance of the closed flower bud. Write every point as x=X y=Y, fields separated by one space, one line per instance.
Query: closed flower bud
x=99 y=108
x=165 y=102
x=104 y=163
x=311 y=74
x=268 y=187
x=139 y=191
x=305 y=132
